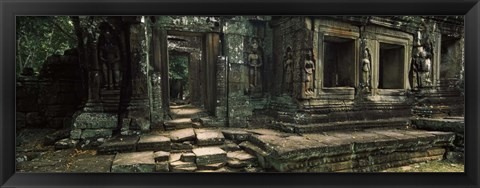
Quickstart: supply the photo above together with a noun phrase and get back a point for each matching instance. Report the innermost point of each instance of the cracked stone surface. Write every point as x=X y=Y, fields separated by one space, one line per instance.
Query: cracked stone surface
x=209 y=137
x=154 y=142
x=182 y=135
x=134 y=162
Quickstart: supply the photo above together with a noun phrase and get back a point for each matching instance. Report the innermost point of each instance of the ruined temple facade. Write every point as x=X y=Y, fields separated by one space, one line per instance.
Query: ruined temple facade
x=295 y=74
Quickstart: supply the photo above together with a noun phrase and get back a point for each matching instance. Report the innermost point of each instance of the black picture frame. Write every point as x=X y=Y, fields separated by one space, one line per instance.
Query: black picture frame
x=9 y=9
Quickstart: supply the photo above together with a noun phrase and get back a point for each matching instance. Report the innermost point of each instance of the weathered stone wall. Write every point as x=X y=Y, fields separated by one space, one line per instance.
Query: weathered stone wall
x=238 y=35
x=51 y=98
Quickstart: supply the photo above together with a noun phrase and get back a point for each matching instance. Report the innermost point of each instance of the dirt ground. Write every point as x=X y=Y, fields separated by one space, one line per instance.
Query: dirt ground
x=33 y=156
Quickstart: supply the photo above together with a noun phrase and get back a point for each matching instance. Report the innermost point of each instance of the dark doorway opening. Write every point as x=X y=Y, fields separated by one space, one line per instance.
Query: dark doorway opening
x=185 y=67
x=391 y=66
x=339 y=62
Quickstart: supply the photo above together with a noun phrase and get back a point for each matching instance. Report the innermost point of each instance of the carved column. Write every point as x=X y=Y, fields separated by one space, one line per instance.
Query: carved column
x=94 y=103
x=157 y=112
x=137 y=111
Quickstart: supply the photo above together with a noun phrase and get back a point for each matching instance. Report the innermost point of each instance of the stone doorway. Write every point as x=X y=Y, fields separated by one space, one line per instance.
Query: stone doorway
x=189 y=69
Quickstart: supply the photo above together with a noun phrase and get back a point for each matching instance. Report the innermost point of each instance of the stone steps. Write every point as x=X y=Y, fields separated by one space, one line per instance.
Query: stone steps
x=348 y=151
x=253 y=150
x=346 y=125
x=208 y=151
x=182 y=117
x=178 y=124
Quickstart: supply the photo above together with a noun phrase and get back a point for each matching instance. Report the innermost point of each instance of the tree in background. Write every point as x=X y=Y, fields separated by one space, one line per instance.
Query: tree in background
x=39 y=37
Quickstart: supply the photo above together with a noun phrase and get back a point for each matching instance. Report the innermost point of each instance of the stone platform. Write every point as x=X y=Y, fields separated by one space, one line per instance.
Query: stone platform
x=345 y=125
x=254 y=150
x=348 y=151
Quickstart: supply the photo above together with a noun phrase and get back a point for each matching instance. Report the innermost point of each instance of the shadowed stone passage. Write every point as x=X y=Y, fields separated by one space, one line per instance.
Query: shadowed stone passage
x=184 y=116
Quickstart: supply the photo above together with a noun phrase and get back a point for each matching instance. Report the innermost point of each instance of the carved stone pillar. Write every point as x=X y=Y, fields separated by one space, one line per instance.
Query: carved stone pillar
x=94 y=103
x=155 y=76
x=136 y=115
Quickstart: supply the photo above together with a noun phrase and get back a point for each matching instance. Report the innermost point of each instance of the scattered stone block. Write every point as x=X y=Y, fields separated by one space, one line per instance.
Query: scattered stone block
x=56 y=136
x=182 y=135
x=240 y=159
x=180 y=166
x=134 y=162
x=66 y=143
x=75 y=134
x=184 y=146
x=230 y=146
x=95 y=121
x=162 y=166
x=214 y=166
x=119 y=144
x=188 y=157
x=154 y=143
x=223 y=169
x=236 y=135
x=161 y=156
x=174 y=157
x=456 y=157
x=96 y=133
x=209 y=155
x=209 y=137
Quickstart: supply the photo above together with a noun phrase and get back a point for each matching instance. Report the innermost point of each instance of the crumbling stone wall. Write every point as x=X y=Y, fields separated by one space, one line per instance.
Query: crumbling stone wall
x=52 y=97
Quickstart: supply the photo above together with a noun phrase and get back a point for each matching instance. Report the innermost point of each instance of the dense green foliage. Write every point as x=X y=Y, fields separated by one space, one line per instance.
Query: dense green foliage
x=178 y=67
x=41 y=36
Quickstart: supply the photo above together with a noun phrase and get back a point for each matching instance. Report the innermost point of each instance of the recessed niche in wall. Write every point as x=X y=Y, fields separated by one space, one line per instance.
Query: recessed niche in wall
x=339 y=62
x=451 y=57
x=391 y=66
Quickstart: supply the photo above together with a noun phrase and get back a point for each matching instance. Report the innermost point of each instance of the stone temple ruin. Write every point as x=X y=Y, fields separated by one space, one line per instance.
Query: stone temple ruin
x=286 y=94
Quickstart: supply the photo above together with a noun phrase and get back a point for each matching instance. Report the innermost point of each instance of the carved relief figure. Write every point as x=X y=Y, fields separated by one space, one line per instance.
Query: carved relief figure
x=109 y=55
x=421 y=64
x=287 y=70
x=309 y=74
x=366 y=70
x=254 y=60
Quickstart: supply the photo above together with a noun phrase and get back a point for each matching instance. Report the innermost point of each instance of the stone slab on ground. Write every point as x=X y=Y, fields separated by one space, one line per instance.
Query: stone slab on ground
x=184 y=146
x=154 y=143
x=88 y=120
x=66 y=143
x=180 y=166
x=174 y=157
x=456 y=125
x=119 y=144
x=134 y=162
x=188 y=157
x=93 y=163
x=182 y=135
x=209 y=155
x=180 y=123
x=236 y=135
x=230 y=146
x=286 y=153
x=220 y=170
x=213 y=166
x=96 y=133
x=209 y=137
x=240 y=159
x=162 y=166
x=161 y=156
